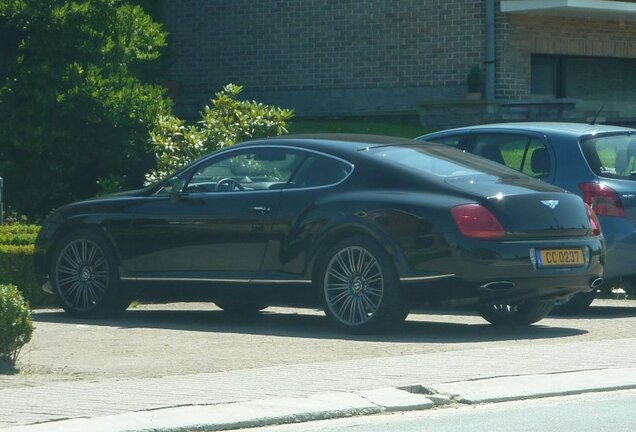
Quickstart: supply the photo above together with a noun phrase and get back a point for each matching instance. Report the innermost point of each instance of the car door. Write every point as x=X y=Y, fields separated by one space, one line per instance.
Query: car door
x=303 y=212
x=219 y=223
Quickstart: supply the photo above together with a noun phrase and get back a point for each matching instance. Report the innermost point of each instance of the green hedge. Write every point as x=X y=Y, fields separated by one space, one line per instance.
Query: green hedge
x=16 y=262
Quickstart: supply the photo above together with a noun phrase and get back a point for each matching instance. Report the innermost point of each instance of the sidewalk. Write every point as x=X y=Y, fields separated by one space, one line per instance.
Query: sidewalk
x=67 y=400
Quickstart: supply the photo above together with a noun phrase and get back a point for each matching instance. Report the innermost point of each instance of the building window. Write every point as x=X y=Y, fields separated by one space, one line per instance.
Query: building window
x=545 y=76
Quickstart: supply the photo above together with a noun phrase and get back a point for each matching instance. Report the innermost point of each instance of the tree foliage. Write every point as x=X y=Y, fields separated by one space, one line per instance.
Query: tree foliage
x=225 y=122
x=74 y=104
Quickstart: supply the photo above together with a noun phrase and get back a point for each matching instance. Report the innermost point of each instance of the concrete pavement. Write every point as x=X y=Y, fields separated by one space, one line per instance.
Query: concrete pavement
x=346 y=404
x=301 y=392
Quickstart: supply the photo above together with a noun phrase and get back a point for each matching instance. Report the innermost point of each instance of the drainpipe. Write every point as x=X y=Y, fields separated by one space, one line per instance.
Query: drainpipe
x=490 y=50
x=1 y=204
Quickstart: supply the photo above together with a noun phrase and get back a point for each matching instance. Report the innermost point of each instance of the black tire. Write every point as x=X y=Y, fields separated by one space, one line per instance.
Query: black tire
x=359 y=287
x=576 y=304
x=629 y=286
x=525 y=313
x=85 y=278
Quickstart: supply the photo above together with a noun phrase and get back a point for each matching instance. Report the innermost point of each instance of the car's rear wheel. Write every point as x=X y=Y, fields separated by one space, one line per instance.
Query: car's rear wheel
x=524 y=313
x=629 y=286
x=575 y=304
x=84 y=276
x=360 y=287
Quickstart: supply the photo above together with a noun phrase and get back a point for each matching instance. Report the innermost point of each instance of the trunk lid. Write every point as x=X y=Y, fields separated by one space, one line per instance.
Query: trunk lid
x=528 y=208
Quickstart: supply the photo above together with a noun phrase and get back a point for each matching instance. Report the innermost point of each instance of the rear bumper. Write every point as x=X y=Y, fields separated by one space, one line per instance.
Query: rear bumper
x=509 y=268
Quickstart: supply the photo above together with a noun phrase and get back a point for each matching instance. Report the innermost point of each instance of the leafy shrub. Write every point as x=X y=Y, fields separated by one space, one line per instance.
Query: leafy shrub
x=16 y=326
x=227 y=121
x=76 y=99
x=16 y=262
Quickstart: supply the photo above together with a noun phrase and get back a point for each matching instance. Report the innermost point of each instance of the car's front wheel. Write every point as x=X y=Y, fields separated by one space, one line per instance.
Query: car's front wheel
x=360 y=287
x=524 y=313
x=84 y=276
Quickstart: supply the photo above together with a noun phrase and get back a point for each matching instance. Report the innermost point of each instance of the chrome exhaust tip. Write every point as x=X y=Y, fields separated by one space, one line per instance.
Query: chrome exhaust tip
x=596 y=283
x=498 y=286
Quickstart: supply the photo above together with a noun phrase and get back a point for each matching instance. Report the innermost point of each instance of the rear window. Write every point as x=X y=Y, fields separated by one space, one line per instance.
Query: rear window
x=441 y=161
x=612 y=156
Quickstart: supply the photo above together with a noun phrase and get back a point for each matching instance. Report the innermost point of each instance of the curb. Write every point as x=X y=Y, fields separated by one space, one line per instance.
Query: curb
x=338 y=405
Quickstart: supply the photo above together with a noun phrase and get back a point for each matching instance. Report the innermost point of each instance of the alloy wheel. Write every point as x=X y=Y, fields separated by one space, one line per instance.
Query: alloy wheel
x=82 y=274
x=353 y=286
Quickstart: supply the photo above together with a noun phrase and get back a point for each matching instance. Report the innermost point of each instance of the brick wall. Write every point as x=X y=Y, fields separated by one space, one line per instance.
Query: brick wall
x=341 y=57
x=337 y=56
x=519 y=36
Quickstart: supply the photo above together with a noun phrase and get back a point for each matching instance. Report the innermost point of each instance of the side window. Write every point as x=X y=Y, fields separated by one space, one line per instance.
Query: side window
x=319 y=170
x=451 y=141
x=254 y=169
x=538 y=161
x=522 y=153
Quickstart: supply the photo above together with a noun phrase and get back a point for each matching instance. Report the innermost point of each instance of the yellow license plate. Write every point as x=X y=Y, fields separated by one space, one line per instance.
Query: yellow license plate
x=560 y=258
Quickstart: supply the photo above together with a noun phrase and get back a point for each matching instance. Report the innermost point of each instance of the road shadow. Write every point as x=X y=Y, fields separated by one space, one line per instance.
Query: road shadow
x=299 y=325
x=601 y=312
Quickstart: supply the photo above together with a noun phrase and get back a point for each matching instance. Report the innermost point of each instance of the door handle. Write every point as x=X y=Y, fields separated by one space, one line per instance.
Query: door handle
x=260 y=209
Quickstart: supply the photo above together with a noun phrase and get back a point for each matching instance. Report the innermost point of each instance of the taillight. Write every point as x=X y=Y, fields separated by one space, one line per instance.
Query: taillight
x=594 y=223
x=603 y=199
x=476 y=221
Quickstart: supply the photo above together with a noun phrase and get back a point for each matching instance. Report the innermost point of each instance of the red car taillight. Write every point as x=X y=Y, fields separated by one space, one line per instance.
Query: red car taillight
x=476 y=221
x=603 y=199
x=594 y=223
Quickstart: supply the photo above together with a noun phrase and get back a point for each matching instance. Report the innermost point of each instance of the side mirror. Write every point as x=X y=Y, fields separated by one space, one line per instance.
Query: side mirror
x=174 y=187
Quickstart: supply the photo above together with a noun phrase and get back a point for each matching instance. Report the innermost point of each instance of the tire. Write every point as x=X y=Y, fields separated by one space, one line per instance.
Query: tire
x=525 y=313
x=360 y=288
x=576 y=304
x=629 y=286
x=84 y=276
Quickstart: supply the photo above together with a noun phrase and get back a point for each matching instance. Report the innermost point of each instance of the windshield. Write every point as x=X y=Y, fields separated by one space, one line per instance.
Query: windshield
x=442 y=161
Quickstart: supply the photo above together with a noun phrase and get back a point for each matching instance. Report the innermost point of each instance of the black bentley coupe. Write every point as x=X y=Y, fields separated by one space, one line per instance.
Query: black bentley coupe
x=367 y=226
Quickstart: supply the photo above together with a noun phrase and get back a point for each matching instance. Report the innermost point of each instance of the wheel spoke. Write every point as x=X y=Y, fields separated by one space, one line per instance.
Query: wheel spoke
x=340 y=297
x=344 y=305
x=336 y=274
x=370 y=305
x=343 y=266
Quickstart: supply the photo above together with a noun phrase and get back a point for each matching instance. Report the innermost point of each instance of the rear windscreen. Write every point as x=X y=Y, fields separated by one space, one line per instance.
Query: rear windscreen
x=611 y=156
x=441 y=161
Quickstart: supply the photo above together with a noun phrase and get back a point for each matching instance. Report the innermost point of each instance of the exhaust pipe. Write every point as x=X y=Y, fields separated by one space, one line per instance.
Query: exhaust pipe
x=498 y=286
x=595 y=283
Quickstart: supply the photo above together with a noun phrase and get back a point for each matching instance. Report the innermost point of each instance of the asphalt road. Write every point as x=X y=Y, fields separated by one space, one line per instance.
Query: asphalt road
x=191 y=338
x=597 y=412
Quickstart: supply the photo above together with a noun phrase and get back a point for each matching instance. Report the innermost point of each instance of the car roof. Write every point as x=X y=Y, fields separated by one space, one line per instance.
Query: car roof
x=333 y=142
x=574 y=129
